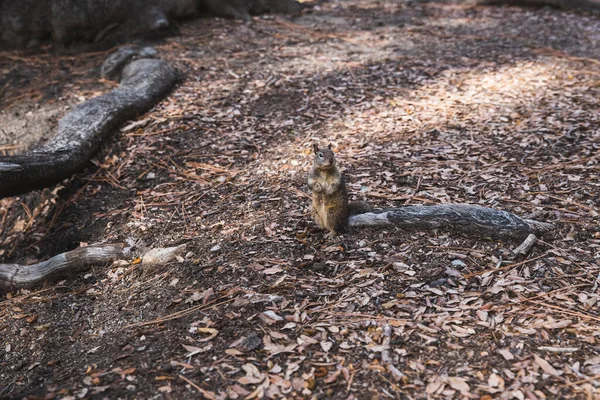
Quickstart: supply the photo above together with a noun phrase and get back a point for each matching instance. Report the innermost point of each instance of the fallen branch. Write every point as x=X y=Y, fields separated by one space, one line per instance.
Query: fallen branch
x=143 y=83
x=471 y=220
x=524 y=248
x=15 y=276
x=561 y=4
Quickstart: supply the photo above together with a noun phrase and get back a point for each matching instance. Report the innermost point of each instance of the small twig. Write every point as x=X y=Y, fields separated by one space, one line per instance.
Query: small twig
x=3 y=219
x=10 y=147
x=591 y=378
x=525 y=203
x=596 y=283
x=386 y=360
x=403 y=197
x=506 y=266
x=306 y=138
x=22 y=298
x=558 y=290
x=169 y=221
x=159 y=132
x=591 y=209
x=299 y=193
x=210 y=189
x=563 y=310
x=178 y=314
x=524 y=248
x=559 y=349
x=205 y=393
x=127 y=272
x=351 y=379
x=546 y=51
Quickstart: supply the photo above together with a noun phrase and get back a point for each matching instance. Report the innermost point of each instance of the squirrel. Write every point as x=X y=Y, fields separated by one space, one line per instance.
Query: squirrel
x=331 y=208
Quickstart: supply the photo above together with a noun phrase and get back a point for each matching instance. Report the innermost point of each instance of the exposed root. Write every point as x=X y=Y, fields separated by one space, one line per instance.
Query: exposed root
x=472 y=220
x=15 y=276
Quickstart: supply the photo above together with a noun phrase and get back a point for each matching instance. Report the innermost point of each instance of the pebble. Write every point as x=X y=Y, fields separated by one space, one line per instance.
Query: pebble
x=252 y=342
x=458 y=264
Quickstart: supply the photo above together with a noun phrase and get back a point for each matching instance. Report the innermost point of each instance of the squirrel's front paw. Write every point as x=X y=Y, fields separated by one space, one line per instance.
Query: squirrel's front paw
x=331 y=235
x=317 y=187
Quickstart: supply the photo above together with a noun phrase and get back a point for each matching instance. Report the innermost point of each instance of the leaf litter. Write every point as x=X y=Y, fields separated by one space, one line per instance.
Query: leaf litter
x=425 y=104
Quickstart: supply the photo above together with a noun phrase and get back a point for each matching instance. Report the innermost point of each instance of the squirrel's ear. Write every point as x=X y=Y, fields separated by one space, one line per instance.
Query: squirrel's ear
x=315 y=148
x=329 y=146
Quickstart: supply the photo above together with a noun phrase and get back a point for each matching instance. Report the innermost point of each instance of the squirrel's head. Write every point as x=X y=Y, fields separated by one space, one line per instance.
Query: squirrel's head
x=324 y=158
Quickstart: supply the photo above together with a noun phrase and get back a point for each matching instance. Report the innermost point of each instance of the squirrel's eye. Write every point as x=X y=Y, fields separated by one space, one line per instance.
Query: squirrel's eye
x=320 y=155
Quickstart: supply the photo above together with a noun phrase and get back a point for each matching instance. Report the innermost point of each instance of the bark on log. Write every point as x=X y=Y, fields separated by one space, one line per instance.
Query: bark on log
x=143 y=83
x=243 y=9
x=15 y=276
x=25 y=23
x=471 y=220
x=561 y=4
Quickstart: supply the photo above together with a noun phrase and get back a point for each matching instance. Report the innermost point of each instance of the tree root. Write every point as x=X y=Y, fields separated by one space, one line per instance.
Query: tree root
x=561 y=4
x=15 y=276
x=144 y=82
x=471 y=220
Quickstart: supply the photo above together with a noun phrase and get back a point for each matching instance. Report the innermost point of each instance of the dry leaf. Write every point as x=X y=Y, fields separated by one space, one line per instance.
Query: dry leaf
x=592 y=361
x=193 y=350
x=458 y=384
x=325 y=345
x=212 y=333
x=272 y=270
x=545 y=365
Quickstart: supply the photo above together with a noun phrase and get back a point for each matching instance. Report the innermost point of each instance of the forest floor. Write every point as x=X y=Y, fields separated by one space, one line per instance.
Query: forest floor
x=424 y=104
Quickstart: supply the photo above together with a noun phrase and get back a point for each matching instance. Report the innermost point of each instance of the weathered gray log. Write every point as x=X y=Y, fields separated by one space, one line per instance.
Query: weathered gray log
x=143 y=83
x=471 y=220
x=243 y=9
x=15 y=276
x=24 y=23
x=561 y=4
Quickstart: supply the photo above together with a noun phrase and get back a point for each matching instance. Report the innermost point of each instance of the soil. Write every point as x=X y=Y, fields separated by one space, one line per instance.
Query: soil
x=37 y=90
x=424 y=103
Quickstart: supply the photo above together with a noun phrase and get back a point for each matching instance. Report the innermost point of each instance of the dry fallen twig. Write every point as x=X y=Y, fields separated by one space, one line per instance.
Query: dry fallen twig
x=524 y=248
x=386 y=359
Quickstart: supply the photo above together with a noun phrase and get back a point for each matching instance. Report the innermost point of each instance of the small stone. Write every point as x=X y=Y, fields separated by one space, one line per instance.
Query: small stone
x=437 y=282
x=250 y=343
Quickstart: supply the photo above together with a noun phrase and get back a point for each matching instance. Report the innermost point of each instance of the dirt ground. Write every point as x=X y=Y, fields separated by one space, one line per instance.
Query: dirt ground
x=424 y=104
